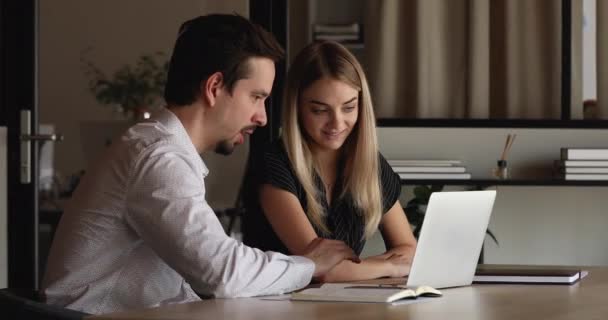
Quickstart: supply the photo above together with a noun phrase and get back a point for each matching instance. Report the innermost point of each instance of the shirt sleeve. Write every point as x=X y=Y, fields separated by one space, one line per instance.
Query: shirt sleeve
x=391 y=184
x=167 y=209
x=276 y=170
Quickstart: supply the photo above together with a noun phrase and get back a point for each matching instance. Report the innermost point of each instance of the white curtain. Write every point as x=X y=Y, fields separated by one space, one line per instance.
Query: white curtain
x=602 y=59
x=465 y=58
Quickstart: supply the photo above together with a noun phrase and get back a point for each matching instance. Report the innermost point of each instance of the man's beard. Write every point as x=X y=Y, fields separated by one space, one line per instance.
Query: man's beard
x=224 y=147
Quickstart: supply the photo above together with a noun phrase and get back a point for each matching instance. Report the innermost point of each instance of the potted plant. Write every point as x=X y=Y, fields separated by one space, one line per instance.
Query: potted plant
x=416 y=208
x=135 y=90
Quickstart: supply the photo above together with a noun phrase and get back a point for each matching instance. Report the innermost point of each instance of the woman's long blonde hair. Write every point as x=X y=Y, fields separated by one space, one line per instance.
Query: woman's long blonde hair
x=329 y=59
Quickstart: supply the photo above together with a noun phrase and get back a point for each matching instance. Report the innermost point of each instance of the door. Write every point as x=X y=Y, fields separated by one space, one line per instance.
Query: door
x=18 y=92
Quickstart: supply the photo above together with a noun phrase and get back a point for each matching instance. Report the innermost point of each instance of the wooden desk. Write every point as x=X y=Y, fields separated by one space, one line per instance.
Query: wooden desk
x=587 y=299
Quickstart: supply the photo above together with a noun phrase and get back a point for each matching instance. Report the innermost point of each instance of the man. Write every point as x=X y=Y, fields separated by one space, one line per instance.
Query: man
x=138 y=231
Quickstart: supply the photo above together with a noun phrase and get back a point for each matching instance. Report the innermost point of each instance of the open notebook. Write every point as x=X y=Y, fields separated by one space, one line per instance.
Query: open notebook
x=363 y=293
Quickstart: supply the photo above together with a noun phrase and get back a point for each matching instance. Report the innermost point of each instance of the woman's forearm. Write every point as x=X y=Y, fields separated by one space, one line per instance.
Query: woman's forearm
x=370 y=268
x=406 y=251
x=373 y=267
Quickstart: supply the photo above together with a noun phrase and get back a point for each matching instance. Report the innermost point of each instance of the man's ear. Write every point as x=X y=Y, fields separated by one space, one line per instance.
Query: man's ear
x=211 y=88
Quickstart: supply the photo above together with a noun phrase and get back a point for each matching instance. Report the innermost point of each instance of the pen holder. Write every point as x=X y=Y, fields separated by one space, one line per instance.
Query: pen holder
x=502 y=170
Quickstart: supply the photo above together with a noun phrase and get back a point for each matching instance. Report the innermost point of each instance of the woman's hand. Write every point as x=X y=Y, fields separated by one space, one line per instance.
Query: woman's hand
x=399 y=265
x=395 y=265
x=326 y=254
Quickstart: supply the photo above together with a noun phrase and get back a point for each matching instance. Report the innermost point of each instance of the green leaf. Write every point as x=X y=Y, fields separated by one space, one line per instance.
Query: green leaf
x=489 y=233
x=132 y=86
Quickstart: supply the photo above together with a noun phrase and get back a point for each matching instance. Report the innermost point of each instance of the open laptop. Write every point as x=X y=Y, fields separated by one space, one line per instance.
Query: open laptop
x=451 y=238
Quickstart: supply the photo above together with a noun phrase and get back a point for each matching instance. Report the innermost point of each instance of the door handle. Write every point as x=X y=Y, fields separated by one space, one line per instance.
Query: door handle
x=26 y=142
x=42 y=137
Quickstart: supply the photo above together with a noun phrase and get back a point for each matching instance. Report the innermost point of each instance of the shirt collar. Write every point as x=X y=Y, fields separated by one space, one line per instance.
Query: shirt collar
x=172 y=123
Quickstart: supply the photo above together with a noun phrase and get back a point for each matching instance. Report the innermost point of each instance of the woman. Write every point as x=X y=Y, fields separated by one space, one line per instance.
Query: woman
x=325 y=177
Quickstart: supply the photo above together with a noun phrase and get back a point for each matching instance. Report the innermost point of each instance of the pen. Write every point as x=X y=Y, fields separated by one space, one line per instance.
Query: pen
x=378 y=286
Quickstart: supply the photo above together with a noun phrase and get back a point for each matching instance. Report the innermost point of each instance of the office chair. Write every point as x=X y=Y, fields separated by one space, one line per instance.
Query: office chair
x=26 y=304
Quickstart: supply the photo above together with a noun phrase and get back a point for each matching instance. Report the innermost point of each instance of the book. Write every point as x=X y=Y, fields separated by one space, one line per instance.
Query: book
x=584 y=169
x=426 y=163
x=585 y=176
x=364 y=293
x=528 y=275
x=336 y=28
x=582 y=163
x=431 y=176
x=584 y=153
x=336 y=37
x=400 y=169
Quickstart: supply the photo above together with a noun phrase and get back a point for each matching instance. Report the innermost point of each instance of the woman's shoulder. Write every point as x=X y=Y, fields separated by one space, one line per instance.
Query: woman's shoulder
x=275 y=150
x=276 y=168
x=276 y=158
x=383 y=164
x=391 y=183
x=388 y=177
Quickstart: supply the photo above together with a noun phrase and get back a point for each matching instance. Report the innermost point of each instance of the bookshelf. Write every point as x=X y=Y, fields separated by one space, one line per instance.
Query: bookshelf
x=531 y=160
x=565 y=218
x=507 y=182
x=304 y=15
x=534 y=164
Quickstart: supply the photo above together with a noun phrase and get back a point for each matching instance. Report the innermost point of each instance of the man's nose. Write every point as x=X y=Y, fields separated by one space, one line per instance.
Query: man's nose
x=260 y=117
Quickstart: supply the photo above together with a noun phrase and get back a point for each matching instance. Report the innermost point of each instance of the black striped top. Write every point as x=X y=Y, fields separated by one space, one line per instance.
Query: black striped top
x=343 y=219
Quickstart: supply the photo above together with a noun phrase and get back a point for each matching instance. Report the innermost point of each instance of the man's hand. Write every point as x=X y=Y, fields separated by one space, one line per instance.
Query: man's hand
x=326 y=254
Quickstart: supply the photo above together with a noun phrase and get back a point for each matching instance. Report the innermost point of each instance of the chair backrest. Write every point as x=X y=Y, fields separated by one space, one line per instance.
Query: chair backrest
x=26 y=304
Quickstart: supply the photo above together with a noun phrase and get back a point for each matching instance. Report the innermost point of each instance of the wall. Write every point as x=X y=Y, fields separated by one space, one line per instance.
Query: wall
x=299 y=27
x=3 y=212
x=117 y=32
x=534 y=225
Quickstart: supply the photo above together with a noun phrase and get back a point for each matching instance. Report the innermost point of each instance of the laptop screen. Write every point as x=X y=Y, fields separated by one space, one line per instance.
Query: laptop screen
x=451 y=238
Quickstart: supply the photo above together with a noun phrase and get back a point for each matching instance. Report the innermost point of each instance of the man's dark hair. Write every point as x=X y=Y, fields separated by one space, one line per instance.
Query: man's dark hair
x=212 y=43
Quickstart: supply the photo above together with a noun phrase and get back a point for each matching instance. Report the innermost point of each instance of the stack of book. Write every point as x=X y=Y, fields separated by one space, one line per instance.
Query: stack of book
x=430 y=169
x=584 y=164
x=346 y=33
x=527 y=274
